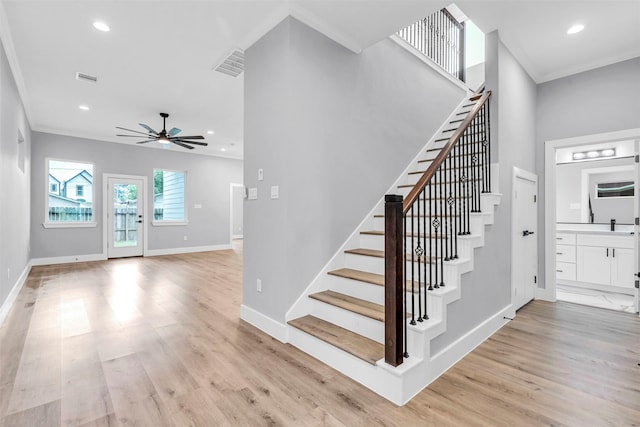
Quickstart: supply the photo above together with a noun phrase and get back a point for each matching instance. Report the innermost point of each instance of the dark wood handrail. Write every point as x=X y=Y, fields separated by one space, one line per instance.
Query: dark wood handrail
x=432 y=169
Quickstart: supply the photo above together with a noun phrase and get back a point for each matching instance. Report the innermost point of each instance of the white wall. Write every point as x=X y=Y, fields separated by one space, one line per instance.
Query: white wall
x=333 y=130
x=603 y=100
x=208 y=180
x=487 y=289
x=15 y=182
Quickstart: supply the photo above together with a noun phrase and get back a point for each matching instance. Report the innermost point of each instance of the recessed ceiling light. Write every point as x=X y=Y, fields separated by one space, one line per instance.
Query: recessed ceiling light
x=101 y=26
x=83 y=107
x=210 y=132
x=575 y=29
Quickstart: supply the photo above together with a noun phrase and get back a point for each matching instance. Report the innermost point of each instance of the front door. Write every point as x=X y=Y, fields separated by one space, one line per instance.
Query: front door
x=524 y=238
x=125 y=217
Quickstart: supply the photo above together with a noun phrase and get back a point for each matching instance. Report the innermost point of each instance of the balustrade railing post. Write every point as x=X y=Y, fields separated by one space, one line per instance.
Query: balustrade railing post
x=394 y=259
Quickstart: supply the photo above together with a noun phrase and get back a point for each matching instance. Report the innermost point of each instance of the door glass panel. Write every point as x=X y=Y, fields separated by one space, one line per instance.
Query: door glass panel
x=125 y=215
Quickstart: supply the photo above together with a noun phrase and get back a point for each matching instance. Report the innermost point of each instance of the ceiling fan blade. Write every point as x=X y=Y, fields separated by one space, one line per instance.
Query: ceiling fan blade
x=136 y=136
x=174 y=131
x=181 y=144
x=204 y=144
x=148 y=128
x=135 y=131
x=144 y=142
x=191 y=137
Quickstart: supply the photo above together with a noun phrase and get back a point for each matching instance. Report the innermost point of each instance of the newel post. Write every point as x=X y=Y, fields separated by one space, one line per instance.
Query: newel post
x=393 y=276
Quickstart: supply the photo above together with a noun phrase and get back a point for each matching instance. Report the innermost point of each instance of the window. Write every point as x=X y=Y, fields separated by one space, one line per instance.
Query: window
x=168 y=196
x=614 y=189
x=70 y=195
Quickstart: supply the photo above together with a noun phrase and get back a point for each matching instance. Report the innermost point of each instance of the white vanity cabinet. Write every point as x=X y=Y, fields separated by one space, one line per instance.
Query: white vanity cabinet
x=605 y=259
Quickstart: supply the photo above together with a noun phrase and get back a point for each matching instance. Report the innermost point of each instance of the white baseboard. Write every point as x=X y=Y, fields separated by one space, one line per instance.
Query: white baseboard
x=266 y=324
x=13 y=295
x=188 y=250
x=464 y=345
x=545 y=295
x=68 y=259
x=237 y=236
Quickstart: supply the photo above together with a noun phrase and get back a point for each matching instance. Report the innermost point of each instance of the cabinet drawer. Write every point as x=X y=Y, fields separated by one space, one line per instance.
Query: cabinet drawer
x=566 y=238
x=606 y=241
x=565 y=253
x=565 y=270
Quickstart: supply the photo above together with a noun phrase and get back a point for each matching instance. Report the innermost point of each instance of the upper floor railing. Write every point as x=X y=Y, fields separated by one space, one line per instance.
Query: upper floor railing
x=440 y=37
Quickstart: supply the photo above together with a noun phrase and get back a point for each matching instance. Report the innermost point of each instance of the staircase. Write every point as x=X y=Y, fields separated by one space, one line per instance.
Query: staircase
x=340 y=318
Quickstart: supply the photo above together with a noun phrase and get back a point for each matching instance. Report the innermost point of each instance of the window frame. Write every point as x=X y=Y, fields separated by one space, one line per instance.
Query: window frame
x=170 y=222
x=69 y=224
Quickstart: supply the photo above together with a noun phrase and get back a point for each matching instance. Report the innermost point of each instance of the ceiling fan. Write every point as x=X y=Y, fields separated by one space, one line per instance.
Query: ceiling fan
x=163 y=136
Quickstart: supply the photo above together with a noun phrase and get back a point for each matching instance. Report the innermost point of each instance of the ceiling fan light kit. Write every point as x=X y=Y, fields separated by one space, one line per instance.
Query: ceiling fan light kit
x=164 y=137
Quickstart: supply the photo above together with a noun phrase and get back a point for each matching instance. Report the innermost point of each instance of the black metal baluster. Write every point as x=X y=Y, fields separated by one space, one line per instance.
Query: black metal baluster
x=479 y=163
x=467 y=181
x=454 y=185
x=431 y=251
x=487 y=130
x=436 y=227
x=427 y=257
x=485 y=147
x=413 y=307
x=442 y=232
x=450 y=202
x=419 y=253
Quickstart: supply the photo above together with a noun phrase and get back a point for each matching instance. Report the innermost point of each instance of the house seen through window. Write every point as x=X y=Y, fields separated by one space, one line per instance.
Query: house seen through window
x=168 y=195
x=70 y=198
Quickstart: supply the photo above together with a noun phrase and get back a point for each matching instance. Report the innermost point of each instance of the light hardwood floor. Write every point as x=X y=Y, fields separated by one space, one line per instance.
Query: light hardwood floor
x=158 y=341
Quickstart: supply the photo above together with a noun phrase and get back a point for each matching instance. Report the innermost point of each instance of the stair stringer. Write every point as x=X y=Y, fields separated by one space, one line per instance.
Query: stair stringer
x=302 y=306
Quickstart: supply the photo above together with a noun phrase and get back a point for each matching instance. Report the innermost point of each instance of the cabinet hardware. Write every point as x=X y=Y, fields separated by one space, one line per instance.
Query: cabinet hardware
x=559 y=238
x=559 y=253
x=559 y=271
x=607 y=252
x=614 y=252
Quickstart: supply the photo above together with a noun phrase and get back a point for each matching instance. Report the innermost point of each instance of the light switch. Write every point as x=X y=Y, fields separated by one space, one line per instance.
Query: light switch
x=260 y=174
x=197 y=206
x=275 y=192
x=253 y=193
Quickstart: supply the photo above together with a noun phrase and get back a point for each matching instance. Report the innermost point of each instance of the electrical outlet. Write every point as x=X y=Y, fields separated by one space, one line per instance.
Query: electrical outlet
x=260 y=174
x=185 y=238
x=259 y=285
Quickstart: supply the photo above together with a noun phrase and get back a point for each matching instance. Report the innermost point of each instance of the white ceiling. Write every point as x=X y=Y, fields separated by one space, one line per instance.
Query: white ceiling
x=159 y=55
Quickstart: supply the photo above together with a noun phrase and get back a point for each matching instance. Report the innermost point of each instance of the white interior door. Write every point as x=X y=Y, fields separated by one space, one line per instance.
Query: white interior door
x=125 y=217
x=636 y=215
x=524 y=238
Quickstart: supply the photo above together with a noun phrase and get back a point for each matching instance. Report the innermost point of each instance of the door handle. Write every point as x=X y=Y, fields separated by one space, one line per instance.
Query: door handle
x=527 y=232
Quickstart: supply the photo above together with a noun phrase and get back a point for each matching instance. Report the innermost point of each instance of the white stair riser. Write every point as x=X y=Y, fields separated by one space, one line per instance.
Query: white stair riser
x=376 y=242
x=376 y=265
x=354 y=322
x=375 y=293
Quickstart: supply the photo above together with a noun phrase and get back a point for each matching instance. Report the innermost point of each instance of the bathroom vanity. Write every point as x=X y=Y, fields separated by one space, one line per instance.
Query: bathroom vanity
x=596 y=259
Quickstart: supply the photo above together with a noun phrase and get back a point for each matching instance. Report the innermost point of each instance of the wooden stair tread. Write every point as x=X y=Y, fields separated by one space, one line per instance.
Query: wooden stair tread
x=362 y=276
x=419 y=216
x=459 y=167
x=350 y=342
x=380 y=254
x=408 y=234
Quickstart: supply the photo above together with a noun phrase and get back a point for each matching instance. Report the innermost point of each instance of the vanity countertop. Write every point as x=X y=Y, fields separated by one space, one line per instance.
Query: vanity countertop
x=602 y=232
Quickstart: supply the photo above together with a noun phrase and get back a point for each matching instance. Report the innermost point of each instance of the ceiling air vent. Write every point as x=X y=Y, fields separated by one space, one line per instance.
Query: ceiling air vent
x=233 y=64
x=86 y=77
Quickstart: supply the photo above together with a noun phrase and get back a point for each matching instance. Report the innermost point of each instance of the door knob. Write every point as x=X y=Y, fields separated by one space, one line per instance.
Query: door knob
x=527 y=232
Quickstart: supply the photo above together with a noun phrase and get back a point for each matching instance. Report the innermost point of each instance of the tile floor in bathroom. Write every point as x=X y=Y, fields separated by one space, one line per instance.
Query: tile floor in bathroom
x=595 y=298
